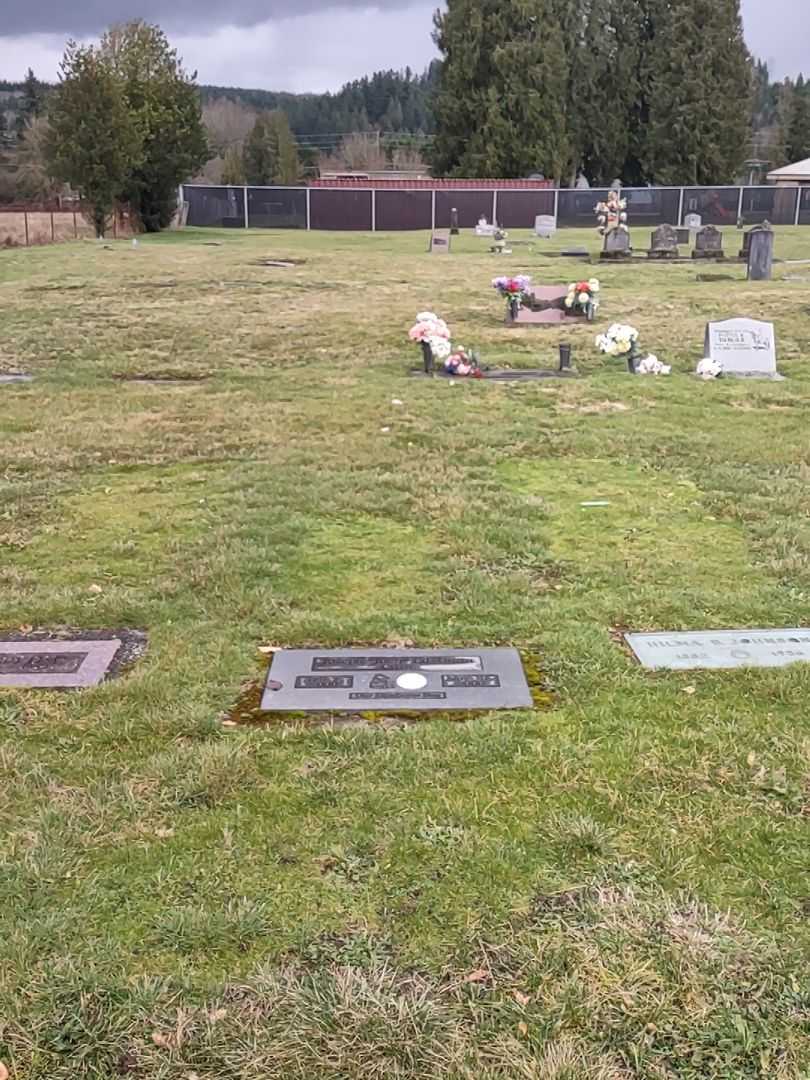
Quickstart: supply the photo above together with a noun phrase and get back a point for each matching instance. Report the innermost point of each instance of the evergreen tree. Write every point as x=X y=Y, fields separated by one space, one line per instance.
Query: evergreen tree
x=32 y=102
x=797 y=140
x=501 y=104
x=699 y=93
x=93 y=141
x=257 y=155
x=287 y=165
x=233 y=169
x=165 y=105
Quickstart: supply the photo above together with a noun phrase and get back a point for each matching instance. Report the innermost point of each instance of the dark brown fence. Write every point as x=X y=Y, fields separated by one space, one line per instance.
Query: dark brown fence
x=378 y=209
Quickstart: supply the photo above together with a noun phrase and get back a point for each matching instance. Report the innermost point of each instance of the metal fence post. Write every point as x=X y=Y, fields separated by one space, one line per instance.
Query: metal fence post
x=798 y=205
x=25 y=220
x=373 y=209
x=247 y=226
x=680 y=208
x=740 y=203
x=495 y=207
x=309 y=216
x=433 y=211
x=556 y=205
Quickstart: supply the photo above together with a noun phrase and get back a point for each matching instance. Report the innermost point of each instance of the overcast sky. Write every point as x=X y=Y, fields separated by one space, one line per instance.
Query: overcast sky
x=307 y=44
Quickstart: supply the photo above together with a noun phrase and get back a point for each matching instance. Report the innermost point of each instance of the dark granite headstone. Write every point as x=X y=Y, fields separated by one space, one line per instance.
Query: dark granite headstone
x=617 y=245
x=746 y=247
x=454 y=222
x=543 y=305
x=664 y=243
x=708 y=244
x=760 y=253
x=393 y=680
x=684 y=236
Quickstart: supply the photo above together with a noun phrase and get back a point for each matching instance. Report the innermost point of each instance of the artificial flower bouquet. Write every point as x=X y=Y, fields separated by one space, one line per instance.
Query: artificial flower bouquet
x=513 y=289
x=433 y=334
x=709 y=369
x=463 y=363
x=583 y=298
x=622 y=340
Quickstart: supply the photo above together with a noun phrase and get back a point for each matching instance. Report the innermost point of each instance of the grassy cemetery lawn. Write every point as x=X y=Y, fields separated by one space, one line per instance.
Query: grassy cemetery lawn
x=230 y=456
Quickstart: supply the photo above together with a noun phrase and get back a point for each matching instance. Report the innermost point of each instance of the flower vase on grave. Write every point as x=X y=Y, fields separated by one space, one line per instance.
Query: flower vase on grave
x=514 y=308
x=590 y=311
x=427 y=357
x=632 y=357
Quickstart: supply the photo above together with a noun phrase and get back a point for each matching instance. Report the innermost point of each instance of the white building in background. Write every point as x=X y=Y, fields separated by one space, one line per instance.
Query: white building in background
x=798 y=173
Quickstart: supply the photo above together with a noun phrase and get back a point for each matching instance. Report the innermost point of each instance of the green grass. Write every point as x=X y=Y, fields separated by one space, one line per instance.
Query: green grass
x=612 y=887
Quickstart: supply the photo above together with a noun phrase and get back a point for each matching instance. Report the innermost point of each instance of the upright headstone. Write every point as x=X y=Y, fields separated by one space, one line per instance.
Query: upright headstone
x=708 y=244
x=454 y=222
x=664 y=243
x=746 y=246
x=760 y=253
x=440 y=242
x=743 y=347
x=617 y=245
x=545 y=226
x=693 y=221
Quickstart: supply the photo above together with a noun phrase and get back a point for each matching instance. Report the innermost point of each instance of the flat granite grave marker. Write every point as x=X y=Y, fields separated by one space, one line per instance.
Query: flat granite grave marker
x=744 y=347
x=395 y=680
x=721 y=648
x=65 y=663
x=15 y=377
x=440 y=242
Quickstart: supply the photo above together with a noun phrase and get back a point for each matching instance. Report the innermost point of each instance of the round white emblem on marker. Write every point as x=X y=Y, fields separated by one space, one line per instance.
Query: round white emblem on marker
x=411 y=680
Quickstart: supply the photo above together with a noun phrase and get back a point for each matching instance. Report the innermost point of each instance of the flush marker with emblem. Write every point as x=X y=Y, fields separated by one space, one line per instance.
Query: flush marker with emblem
x=358 y=680
x=718 y=649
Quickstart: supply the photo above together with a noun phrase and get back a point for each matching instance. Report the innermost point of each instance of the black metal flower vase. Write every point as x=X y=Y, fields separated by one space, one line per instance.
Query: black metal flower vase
x=632 y=357
x=590 y=311
x=514 y=308
x=427 y=357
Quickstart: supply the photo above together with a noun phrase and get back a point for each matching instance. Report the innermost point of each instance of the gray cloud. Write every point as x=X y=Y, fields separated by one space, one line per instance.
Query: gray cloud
x=87 y=17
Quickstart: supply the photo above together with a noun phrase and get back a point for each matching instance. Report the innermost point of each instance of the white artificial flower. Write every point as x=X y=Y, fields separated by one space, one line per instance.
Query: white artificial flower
x=593 y=284
x=584 y=297
x=440 y=347
x=709 y=369
x=651 y=365
x=427 y=316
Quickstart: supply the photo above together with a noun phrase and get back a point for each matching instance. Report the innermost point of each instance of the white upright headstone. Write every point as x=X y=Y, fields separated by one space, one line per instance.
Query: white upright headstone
x=545 y=226
x=743 y=347
x=693 y=221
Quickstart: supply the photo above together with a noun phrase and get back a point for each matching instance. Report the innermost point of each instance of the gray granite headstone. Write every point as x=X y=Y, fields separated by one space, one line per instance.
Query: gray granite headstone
x=693 y=221
x=760 y=253
x=545 y=226
x=440 y=242
x=721 y=648
x=617 y=245
x=56 y=664
x=708 y=243
x=388 y=680
x=664 y=243
x=744 y=347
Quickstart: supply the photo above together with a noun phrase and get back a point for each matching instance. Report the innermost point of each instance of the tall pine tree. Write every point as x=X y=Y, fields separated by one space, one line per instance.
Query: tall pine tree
x=501 y=104
x=798 y=122
x=257 y=155
x=32 y=102
x=699 y=93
